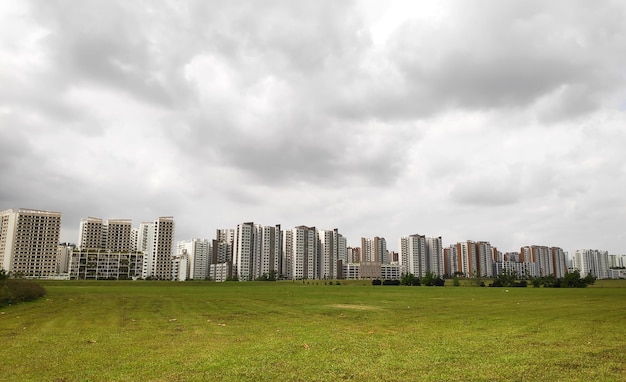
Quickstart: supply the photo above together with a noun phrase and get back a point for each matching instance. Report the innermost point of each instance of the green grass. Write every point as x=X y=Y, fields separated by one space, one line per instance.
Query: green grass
x=161 y=331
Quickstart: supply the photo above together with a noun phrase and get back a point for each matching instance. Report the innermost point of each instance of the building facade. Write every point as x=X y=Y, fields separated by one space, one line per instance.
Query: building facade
x=29 y=241
x=420 y=254
x=199 y=253
x=156 y=241
x=374 y=249
x=113 y=234
x=300 y=253
x=104 y=264
x=332 y=249
x=592 y=261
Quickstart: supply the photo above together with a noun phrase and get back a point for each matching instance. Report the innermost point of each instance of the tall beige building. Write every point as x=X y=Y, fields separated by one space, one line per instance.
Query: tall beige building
x=90 y=233
x=117 y=235
x=112 y=234
x=28 y=242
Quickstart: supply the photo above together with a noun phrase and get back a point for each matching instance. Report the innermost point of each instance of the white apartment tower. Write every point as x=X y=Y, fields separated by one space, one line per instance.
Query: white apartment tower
x=270 y=258
x=592 y=261
x=300 y=253
x=198 y=253
x=244 y=250
x=29 y=241
x=257 y=251
x=434 y=259
x=484 y=258
x=420 y=254
x=155 y=239
x=332 y=247
x=412 y=256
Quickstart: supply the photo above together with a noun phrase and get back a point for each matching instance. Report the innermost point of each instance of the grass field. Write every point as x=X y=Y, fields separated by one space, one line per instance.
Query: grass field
x=290 y=331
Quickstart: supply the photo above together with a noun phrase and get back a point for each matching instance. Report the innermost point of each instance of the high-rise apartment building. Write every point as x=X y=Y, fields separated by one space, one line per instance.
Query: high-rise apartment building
x=300 y=253
x=540 y=255
x=332 y=249
x=353 y=254
x=29 y=241
x=257 y=251
x=617 y=261
x=223 y=246
x=449 y=261
x=374 y=249
x=156 y=241
x=244 y=250
x=64 y=256
x=559 y=261
x=470 y=259
x=90 y=234
x=134 y=234
x=113 y=234
x=464 y=256
x=434 y=250
x=117 y=234
x=269 y=260
x=592 y=261
x=485 y=258
x=413 y=255
x=221 y=262
x=198 y=253
x=420 y=254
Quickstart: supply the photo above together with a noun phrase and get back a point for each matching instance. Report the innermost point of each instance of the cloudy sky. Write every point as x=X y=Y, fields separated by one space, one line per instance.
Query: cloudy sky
x=494 y=120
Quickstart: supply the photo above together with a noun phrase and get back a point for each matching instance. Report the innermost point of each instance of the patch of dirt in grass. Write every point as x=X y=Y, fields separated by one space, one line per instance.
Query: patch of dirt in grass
x=355 y=307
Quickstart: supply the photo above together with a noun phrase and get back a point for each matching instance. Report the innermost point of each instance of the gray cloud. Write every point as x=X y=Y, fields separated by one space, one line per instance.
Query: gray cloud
x=510 y=56
x=492 y=121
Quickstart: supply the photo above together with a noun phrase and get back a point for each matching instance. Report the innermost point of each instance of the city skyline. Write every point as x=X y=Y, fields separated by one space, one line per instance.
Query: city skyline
x=392 y=243
x=490 y=121
x=113 y=249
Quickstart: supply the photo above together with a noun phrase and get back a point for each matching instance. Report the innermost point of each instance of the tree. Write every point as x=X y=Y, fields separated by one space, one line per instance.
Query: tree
x=455 y=280
x=407 y=279
x=506 y=278
x=536 y=281
x=573 y=280
x=589 y=279
x=272 y=275
x=429 y=279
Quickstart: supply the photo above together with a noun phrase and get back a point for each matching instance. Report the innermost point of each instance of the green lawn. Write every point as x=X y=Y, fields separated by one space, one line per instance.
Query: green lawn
x=290 y=331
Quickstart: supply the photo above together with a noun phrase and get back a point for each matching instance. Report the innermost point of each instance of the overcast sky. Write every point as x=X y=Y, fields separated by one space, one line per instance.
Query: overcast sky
x=499 y=120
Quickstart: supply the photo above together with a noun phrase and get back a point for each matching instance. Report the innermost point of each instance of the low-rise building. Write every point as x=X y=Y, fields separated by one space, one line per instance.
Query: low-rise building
x=102 y=264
